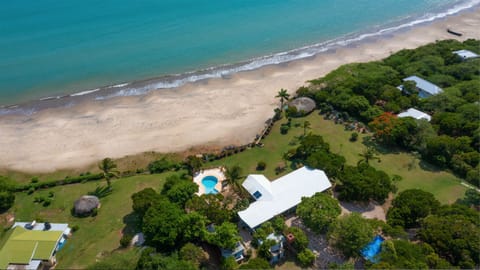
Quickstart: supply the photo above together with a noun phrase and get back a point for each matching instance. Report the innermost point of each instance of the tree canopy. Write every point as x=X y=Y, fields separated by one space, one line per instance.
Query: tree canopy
x=319 y=211
x=350 y=234
x=402 y=254
x=363 y=183
x=454 y=237
x=225 y=236
x=7 y=197
x=410 y=207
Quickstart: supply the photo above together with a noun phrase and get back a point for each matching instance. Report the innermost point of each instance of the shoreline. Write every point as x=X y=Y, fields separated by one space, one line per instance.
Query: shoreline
x=172 y=81
x=210 y=112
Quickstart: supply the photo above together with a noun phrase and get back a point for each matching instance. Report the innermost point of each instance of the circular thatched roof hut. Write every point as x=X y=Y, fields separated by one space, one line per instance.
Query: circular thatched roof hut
x=304 y=105
x=85 y=205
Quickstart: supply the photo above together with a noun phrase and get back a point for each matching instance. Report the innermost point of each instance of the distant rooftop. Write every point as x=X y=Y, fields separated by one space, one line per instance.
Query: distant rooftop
x=466 y=54
x=40 y=226
x=415 y=114
x=276 y=197
x=425 y=85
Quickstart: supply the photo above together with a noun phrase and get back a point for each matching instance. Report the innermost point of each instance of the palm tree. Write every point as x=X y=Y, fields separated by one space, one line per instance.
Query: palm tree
x=369 y=154
x=232 y=175
x=108 y=166
x=306 y=125
x=283 y=95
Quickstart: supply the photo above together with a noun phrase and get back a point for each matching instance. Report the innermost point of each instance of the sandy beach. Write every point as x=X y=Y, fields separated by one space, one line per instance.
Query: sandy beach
x=214 y=112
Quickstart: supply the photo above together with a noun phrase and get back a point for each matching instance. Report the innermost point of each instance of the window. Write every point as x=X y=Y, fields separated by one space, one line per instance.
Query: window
x=257 y=194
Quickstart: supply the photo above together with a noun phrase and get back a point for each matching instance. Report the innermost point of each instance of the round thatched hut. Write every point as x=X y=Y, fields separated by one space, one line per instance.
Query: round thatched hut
x=85 y=205
x=303 y=105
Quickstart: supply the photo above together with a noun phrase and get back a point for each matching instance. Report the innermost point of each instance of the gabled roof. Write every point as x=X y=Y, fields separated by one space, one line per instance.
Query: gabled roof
x=424 y=85
x=258 y=182
x=285 y=193
x=24 y=245
x=466 y=54
x=415 y=114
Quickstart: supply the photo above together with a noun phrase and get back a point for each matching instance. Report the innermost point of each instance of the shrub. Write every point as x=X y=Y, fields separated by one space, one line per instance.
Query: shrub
x=125 y=240
x=50 y=194
x=75 y=228
x=94 y=212
x=30 y=190
x=38 y=199
x=354 y=137
x=306 y=258
x=47 y=202
x=34 y=180
x=160 y=165
x=7 y=198
x=284 y=129
x=261 y=165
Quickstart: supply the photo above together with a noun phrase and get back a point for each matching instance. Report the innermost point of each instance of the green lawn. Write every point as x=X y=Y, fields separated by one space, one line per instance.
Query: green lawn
x=445 y=186
x=97 y=235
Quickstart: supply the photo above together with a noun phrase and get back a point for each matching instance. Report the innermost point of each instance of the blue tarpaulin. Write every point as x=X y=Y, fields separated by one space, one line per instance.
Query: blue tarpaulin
x=371 y=250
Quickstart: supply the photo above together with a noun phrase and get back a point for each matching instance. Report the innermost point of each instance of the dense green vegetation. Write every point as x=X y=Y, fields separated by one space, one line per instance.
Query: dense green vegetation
x=368 y=92
x=7 y=196
x=410 y=207
x=319 y=211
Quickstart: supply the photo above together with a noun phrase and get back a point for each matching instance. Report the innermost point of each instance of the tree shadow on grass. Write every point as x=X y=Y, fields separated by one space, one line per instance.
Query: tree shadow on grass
x=384 y=150
x=132 y=224
x=429 y=167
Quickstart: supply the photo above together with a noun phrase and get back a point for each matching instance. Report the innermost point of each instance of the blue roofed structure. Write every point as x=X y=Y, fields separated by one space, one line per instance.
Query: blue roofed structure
x=425 y=88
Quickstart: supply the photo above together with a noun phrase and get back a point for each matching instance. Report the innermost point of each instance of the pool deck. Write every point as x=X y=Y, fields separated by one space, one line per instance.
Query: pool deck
x=217 y=172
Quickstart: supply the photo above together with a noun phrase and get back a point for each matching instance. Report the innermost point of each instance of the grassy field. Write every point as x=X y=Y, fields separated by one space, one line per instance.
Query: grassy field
x=415 y=174
x=97 y=235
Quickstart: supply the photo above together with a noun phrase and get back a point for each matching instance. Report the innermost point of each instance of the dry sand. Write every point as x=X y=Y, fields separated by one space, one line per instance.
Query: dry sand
x=217 y=112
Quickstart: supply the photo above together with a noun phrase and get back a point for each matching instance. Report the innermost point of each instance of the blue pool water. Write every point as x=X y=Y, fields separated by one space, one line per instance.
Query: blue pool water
x=209 y=183
x=373 y=248
x=53 y=47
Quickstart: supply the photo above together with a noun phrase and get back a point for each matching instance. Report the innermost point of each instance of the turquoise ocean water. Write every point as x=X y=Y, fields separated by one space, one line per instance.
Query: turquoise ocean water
x=51 y=47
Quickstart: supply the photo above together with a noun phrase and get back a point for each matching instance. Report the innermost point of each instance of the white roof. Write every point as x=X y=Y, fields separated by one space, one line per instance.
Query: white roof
x=282 y=194
x=424 y=85
x=39 y=226
x=415 y=114
x=466 y=54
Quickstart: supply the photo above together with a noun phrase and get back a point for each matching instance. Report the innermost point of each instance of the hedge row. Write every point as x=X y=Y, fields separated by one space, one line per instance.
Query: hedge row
x=66 y=181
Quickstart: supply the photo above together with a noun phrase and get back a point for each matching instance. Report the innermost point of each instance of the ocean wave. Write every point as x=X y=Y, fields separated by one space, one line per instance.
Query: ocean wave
x=86 y=92
x=177 y=80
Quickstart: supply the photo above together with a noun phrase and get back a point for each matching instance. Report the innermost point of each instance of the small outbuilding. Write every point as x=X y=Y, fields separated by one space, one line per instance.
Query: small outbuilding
x=415 y=114
x=85 y=205
x=466 y=54
x=303 y=105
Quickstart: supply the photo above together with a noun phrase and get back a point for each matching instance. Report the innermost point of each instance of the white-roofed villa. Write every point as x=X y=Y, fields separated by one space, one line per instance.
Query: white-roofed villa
x=424 y=87
x=415 y=114
x=276 y=197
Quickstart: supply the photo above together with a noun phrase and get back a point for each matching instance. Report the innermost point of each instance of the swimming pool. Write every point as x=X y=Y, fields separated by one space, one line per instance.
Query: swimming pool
x=372 y=249
x=209 y=183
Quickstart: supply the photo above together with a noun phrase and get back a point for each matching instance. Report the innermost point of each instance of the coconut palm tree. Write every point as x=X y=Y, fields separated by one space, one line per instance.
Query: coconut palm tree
x=233 y=175
x=284 y=96
x=108 y=166
x=369 y=154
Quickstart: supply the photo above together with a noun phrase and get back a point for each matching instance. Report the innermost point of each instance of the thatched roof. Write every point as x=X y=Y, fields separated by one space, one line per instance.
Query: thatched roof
x=86 y=204
x=303 y=105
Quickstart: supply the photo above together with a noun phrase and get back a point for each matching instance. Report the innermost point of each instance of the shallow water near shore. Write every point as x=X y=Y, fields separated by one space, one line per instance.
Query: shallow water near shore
x=52 y=50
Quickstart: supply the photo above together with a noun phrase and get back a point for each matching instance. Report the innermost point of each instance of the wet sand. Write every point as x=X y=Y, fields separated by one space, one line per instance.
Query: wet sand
x=214 y=112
